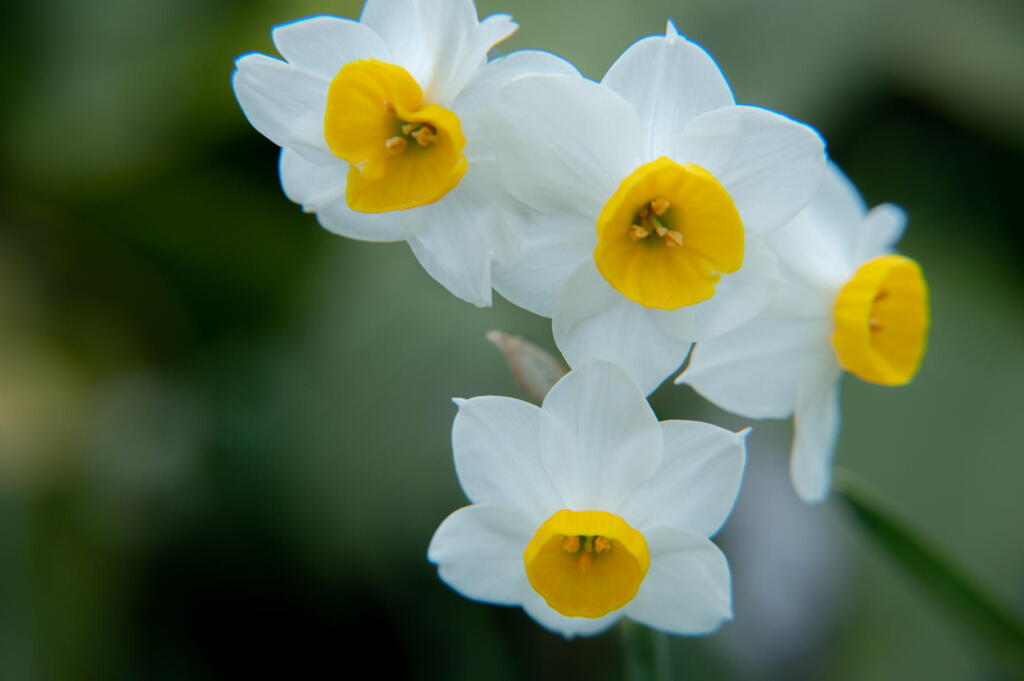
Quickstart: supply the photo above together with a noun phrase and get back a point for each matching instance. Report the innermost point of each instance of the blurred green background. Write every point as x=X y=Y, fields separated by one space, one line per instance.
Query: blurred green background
x=224 y=432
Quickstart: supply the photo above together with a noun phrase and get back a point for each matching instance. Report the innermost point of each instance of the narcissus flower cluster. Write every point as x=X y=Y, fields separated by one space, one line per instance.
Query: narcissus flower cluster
x=643 y=214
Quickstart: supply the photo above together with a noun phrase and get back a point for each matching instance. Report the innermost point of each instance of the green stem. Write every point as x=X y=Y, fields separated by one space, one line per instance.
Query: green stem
x=992 y=627
x=645 y=653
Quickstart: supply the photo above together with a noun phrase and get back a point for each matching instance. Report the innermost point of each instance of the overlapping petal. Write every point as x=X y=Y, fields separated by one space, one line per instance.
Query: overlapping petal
x=755 y=370
x=547 y=258
x=311 y=185
x=697 y=483
x=618 y=444
x=738 y=298
x=456 y=239
x=669 y=81
x=440 y=42
x=818 y=245
x=594 y=321
x=770 y=164
x=564 y=143
x=474 y=102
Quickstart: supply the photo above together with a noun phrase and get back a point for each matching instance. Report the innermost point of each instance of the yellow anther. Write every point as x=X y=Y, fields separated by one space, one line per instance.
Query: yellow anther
x=643 y=212
x=425 y=135
x=409 y=127
x=660 y=230
x=673 y=238
x=602 y=545
x=585 y=563
x=659 y=206
x=571 y=544
x=636 y=232
x=396 y=145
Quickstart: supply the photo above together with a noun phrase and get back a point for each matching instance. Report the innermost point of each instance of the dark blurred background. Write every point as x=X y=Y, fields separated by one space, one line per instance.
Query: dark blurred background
x=224 y=432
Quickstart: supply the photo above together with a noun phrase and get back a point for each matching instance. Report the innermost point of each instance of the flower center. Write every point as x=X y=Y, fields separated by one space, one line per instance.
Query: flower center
x=402 y=153
x=667 y=234
x=881 y=321
x=586 y=563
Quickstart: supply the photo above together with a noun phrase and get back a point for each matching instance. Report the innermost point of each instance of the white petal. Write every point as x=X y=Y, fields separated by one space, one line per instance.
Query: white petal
x=440 y=42
x=337 y=217
x=818 y=244
x=456 y=238
x=284 y=103
x=771 y=165
x=669 y=81
x=496 y=441
x=475 y=101
x=399 y=24
x=754 y=371
x=311 y=185
x=739 y=297
x=569 y=627
x=815 y=431
x=594 y=321
x=478 y=551
x=550 y=252
x=698 y=481
x=618 y=441
x=688 y=588
x=321 y=45
x=881 y=228
x=455 y=68
x=564 y=143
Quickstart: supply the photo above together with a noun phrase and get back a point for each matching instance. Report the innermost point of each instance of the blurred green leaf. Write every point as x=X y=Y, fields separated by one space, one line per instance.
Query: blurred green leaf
x=991 y=626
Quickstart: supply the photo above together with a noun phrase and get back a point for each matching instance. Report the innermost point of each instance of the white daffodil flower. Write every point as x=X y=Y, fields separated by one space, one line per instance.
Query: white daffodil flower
x=381 y=127
x=846 y=303
x=588 y=509
x=654 y=191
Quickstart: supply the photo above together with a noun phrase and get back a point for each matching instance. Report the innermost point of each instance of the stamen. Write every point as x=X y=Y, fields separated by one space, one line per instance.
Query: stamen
x=571 y=544
x=585 y=563
x=409 y=127
x=659 y=206
x=636 y=232
x=659 y=229
x=588 y=544
x=425 y=135
x=673 y=238
x=396 y=145
x=602 y=545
